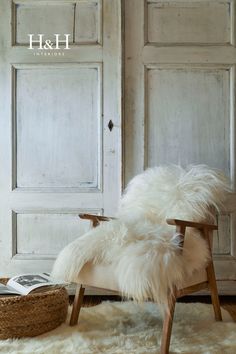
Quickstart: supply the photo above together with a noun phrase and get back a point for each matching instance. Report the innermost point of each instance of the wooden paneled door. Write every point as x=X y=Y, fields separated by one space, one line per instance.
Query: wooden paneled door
x=58 y=157
x=180 y=61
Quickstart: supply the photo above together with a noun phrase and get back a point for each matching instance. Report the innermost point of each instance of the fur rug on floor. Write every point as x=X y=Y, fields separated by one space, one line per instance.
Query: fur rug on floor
x=145 y=250
x=129 y=328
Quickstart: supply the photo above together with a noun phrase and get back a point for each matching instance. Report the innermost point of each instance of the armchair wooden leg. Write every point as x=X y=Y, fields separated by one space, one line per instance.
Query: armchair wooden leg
x=167 y=326
x=78 y=301
x=213 y=289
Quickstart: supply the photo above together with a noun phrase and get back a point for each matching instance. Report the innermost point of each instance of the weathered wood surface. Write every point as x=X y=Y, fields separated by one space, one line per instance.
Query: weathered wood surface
x=60 y=158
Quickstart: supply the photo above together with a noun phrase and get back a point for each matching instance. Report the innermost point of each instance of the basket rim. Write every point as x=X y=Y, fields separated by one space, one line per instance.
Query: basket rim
x=46 y=293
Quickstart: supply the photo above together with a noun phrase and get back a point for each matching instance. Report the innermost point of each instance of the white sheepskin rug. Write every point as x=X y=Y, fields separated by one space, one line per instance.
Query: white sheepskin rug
x=144 y=250
x=129 y=328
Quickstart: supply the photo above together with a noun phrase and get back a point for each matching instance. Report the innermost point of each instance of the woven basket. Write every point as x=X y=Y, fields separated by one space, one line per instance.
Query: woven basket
x=31 y=315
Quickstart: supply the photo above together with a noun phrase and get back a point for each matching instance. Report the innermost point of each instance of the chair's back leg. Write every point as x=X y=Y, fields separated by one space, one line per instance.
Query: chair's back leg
x=213 y=289
x=212 y=281
x=167 y=325
x=78 y=301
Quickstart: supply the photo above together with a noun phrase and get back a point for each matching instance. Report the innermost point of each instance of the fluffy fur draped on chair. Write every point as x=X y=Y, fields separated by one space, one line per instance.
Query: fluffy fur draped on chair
x=143 y=248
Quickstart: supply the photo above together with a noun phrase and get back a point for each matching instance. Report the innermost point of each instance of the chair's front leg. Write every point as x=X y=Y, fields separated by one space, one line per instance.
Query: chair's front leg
x=212 y=280
x=78 y=301
x=167 y=325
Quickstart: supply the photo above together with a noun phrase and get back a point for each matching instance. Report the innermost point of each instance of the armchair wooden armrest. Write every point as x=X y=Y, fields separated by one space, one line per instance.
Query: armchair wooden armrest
x=196 y=225
x=181 y=225
x=96 y=219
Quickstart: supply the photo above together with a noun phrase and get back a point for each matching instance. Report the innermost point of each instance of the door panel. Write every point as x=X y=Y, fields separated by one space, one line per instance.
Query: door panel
x=180 y=59
x=82 y=20
x=188 y=22
x=34 y=17
x=60 y=158
x=32 y=228
x=88 y=17
x=185 y=106
x=58 y=126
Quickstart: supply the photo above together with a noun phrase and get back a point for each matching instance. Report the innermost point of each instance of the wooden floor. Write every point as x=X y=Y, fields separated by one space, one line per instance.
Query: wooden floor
x=231 y=308
x=227 y=302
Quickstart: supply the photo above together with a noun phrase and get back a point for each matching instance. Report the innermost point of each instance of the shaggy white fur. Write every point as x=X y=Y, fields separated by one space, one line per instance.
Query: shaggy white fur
x=144 y=249
x=128 y=328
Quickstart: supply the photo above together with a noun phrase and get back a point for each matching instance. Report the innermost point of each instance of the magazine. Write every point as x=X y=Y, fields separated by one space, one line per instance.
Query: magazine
x=26 y=283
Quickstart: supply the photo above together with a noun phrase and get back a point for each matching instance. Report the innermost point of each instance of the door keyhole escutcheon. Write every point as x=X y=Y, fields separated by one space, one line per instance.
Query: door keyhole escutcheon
x=110 y=125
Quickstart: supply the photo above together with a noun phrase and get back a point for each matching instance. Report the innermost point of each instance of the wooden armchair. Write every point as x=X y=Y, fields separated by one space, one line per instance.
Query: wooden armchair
x=92 y=276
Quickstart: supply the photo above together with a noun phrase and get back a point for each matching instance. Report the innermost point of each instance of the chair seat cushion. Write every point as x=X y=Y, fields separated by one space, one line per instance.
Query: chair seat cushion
x=98 y=276
x=103 y=277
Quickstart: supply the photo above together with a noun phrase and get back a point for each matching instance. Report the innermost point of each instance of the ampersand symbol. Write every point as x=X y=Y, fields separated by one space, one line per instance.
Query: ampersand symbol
x=48 y=44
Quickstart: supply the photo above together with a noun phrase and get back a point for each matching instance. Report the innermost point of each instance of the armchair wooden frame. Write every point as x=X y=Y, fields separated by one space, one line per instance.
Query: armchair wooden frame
x=210 y=284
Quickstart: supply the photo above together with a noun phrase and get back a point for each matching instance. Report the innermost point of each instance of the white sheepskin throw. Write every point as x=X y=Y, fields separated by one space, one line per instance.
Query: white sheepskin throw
x=144 y=249
x=130 y=328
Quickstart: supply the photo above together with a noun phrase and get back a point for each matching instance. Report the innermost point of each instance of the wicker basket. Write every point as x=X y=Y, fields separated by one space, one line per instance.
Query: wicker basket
x=31 y=315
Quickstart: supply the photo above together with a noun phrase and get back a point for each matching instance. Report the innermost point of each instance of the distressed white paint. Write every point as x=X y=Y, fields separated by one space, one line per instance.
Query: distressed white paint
x=180 y=98
x=37 y=18
x=188 y=102
x=58 y=144
x=188 y=22
x=46 y=234
x=80 y=19
x=58 y=126
x=87 y=22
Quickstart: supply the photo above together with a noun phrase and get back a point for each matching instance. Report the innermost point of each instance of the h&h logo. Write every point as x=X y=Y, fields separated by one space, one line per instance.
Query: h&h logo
x=48 y=44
